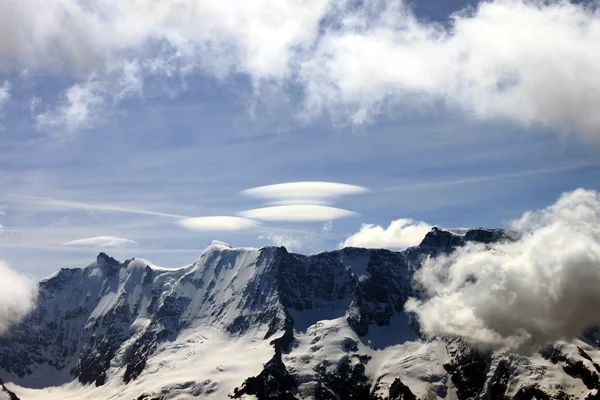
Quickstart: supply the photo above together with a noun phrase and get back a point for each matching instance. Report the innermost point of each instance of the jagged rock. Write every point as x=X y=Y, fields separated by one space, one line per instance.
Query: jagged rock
x=347 y=382
x=574 y=368
x=468 y=369
x=399 y=391
x=274 y=381
x=533 y=392
x=498 y=384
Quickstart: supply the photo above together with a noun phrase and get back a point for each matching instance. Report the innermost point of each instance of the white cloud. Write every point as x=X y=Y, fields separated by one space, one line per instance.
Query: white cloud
x=120 y=43
x=101 y=241
x=496 y=62
x=258 y=38
x=400 y=234
x=4 y=94
x=81 y=105
x=18 y=295
x=217 y=223
x=539 y=289
x=79 y=205
x=298 y=213
x=311 y=191
x=291 y=243
x=327 y=227
x=526 y=61
x=294 y=202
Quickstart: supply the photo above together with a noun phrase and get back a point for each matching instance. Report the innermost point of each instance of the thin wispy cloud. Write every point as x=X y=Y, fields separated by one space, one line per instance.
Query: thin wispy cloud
x=77 y=205
x=81 y=106
x=290 y=242
x=485 y=178
x=4 y=94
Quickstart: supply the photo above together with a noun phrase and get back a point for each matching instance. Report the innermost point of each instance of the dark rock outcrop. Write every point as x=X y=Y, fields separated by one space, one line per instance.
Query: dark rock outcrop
x=468 y=369
x=274 y=381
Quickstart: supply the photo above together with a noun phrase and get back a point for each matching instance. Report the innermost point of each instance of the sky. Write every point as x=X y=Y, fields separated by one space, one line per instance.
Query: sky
x=141 y=129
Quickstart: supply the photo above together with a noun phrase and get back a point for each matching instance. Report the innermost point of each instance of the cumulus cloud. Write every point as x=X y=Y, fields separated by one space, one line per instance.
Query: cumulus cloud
x=18 y=295
x=400 y=234
x=101 y=241
x=298 y=213
x=311 y=191
x=499 y=61
x=217 y=223
x=523 y=294
x=531 y=62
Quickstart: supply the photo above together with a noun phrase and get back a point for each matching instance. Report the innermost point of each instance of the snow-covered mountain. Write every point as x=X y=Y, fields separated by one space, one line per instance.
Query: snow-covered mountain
x=267 y=324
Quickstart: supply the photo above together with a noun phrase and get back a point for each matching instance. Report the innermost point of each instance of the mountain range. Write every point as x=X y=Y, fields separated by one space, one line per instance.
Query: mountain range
x=266 y=323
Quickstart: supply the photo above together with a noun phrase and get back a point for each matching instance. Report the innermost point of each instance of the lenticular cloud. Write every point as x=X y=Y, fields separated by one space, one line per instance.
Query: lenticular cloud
x=541 y=288
x=17 y=297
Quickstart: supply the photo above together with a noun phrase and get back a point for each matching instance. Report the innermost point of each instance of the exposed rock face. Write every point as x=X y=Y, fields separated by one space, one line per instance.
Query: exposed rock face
x=275 y=381
x=468 y=369
x=334 y=324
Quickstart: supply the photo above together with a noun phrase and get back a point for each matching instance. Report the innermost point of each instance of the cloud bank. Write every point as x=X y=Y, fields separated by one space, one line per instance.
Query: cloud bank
x=400 y=234
x=539 y=289
x=531 y=62
x=18 y=295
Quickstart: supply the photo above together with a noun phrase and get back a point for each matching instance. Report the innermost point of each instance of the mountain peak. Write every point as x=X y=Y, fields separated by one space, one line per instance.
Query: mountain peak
x=445 y=239
x=105 y=259
x=440 y=238
x=220 y=244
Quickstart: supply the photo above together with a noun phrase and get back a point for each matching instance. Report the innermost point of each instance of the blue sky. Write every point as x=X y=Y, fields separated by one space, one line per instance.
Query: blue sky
x=135 y=149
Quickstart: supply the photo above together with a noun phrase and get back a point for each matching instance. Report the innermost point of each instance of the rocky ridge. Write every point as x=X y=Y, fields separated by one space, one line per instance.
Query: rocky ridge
x=326 y=326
